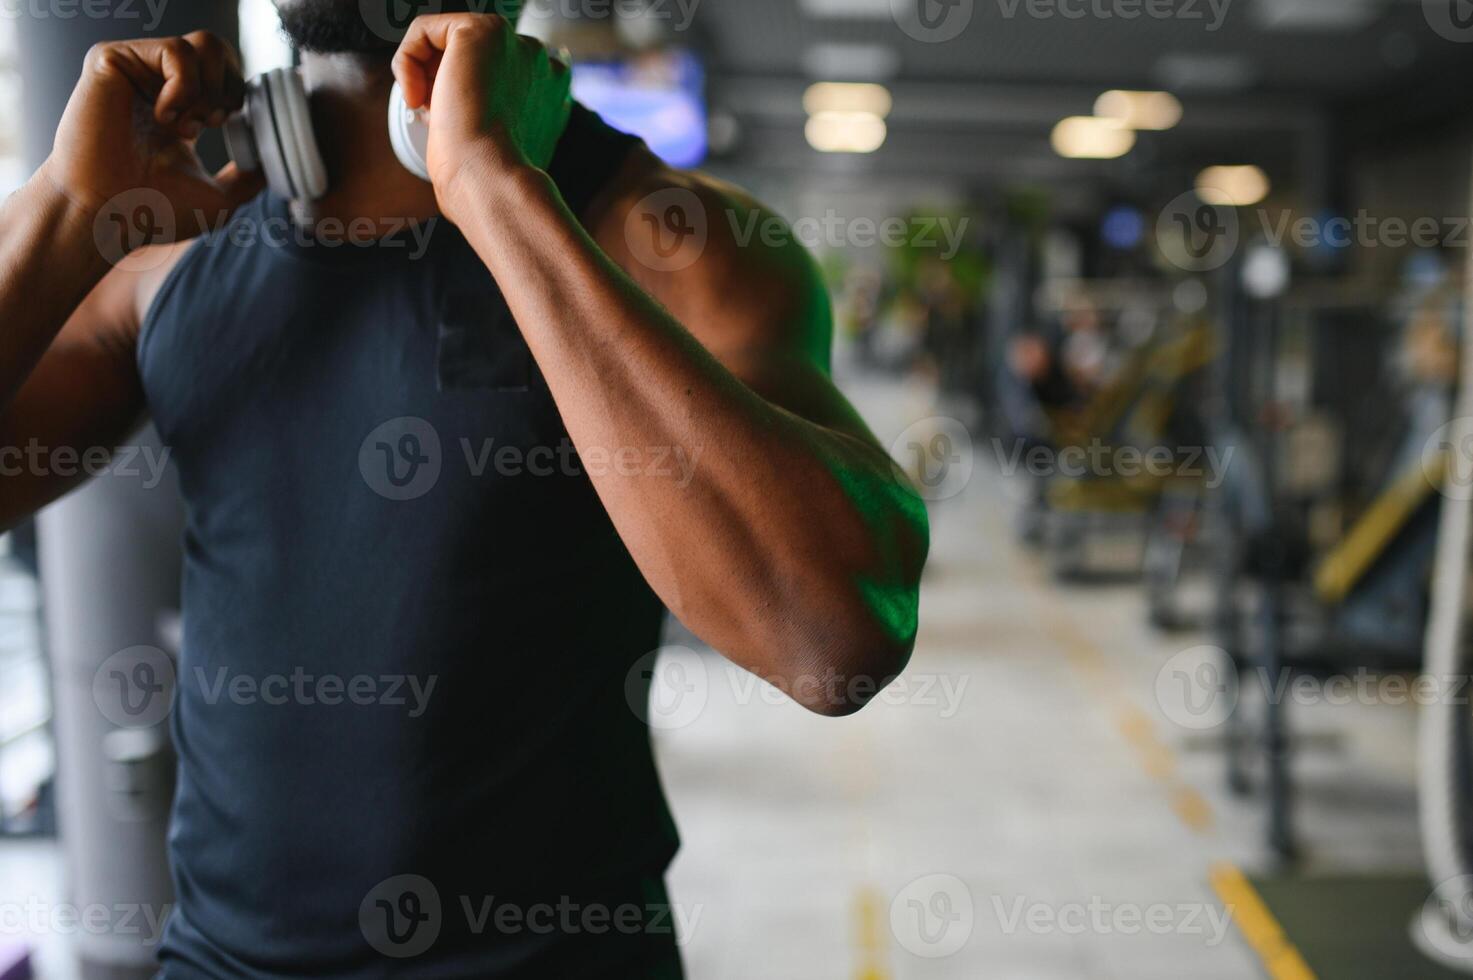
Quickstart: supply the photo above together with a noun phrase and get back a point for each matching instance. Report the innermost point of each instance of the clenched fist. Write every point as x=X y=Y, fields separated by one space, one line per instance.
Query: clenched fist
x=133 y=119
x=497 y=100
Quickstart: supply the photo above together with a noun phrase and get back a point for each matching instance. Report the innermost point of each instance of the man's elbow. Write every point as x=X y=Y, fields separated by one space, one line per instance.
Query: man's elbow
x=865 y=649
x=853 y=667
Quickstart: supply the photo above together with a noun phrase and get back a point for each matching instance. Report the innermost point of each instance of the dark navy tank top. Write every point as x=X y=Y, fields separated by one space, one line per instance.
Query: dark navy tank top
x=409 y=673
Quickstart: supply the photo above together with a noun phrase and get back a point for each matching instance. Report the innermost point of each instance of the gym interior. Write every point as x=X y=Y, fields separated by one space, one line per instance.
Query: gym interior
x=1159 y=306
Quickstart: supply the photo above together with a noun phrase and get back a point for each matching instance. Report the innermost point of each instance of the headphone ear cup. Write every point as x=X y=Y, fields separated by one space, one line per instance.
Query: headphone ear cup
x=309 y=172
x=409 y=135
x=273 y=133
x=266 y=127
x=240 y=142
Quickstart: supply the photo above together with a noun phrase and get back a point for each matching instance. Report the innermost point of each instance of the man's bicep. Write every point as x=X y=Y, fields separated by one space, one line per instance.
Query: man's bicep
x=770 y=322
x=756 y=301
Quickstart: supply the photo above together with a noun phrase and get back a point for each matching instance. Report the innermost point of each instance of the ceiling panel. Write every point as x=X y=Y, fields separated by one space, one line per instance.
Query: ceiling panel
x=1320 y=77
x=1096 y=43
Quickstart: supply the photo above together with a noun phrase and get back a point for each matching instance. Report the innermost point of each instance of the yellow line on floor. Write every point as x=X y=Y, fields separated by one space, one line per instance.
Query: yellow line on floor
x=1155 y=756
x=1192 y=808
x=868 y=910
x=869 y=936
x=1135 y=725
x=1280 y=958
x=1159 y=762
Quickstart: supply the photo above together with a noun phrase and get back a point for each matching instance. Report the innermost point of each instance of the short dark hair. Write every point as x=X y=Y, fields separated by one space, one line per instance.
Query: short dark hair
x=369 y=26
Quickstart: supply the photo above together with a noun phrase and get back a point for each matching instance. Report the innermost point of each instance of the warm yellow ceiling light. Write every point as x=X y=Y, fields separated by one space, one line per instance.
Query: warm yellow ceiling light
x=1091 y=138
x=845 y=132
x=1139 y=110
x=848 y=97
x=1232 y=186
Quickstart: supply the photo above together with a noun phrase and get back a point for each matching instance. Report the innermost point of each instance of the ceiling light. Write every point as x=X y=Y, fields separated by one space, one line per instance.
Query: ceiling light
x=1139 y=110
x=1232 y=186
x=845 y=132
x=848 y=97
x=1091 y=138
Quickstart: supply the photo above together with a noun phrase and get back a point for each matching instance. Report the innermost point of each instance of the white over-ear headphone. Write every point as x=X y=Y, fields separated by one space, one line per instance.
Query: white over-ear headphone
x=409 y=134
x=273 y=133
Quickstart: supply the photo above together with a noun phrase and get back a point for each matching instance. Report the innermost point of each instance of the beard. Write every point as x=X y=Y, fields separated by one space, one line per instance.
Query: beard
x=368 y=26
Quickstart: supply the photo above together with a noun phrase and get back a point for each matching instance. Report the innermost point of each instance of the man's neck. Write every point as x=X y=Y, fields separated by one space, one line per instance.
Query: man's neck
x=349 y=95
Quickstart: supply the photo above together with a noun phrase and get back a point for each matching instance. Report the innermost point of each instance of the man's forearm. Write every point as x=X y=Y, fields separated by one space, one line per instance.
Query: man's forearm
x=49 y=262
x=792 y=548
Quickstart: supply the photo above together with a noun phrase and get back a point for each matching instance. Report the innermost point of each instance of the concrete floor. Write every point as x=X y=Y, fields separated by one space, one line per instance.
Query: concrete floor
x=1017 y=810
x=1055 y=795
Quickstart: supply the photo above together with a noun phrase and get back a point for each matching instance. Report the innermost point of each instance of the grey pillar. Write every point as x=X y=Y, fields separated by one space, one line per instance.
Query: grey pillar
x=110 y=570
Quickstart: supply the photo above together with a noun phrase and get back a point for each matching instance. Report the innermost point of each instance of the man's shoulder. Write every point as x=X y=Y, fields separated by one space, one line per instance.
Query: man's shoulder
x=111 y=316
x=146 y=276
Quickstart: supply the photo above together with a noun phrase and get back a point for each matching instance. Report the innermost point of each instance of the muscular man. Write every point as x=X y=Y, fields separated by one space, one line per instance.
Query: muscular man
x=450 y=466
